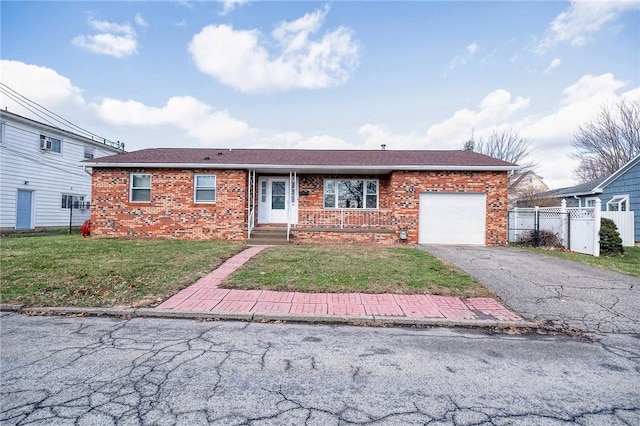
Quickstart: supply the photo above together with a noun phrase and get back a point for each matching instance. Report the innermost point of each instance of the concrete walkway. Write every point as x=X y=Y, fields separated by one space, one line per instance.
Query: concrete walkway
x=205 y=296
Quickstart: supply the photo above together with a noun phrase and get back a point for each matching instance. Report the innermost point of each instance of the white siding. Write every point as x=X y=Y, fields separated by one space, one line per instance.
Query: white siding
x=48 y=174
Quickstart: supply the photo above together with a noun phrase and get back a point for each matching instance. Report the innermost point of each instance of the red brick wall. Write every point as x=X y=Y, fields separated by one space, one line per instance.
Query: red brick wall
x=171 y=213
x=408 y=186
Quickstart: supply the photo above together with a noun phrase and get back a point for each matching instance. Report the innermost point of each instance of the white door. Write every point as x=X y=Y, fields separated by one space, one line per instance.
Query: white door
x=273 y=200
x=452 y=218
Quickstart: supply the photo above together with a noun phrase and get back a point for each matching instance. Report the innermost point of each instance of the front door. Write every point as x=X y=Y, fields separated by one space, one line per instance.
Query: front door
x=274 y=200
x=23 y=210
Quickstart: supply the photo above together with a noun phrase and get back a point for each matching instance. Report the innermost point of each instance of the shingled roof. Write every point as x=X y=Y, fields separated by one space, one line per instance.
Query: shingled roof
x=302 y=159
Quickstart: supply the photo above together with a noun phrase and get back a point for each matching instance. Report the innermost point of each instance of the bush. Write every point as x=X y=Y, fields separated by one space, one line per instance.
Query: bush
x=610 y=241
x=545 y=239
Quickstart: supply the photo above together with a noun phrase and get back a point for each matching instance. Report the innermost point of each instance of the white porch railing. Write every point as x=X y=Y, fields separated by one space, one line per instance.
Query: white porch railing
x=343 y=218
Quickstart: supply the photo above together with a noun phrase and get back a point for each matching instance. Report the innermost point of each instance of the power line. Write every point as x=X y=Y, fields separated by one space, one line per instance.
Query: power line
x=47 y=115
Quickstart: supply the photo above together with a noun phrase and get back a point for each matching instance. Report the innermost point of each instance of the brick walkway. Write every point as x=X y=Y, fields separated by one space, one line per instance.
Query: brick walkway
x=205 y=295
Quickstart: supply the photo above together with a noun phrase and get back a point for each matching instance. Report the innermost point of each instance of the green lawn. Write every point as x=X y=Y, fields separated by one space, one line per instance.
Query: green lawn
x=68 y=270
x=628 y=263
x=353 y=269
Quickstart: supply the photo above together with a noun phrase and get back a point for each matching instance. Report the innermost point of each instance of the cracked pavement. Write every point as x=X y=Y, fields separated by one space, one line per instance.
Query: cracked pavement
x=543 y=288
x=101 y=371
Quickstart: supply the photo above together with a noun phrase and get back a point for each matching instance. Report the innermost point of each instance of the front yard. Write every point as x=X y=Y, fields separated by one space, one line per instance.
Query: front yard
x=339 y=269
x=68 y=270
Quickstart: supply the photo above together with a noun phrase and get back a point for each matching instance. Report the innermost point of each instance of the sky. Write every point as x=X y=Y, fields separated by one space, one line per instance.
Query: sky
x=324 y=75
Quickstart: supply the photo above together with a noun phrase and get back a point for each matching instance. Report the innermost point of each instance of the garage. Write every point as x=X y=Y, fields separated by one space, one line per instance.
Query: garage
x=452 y=218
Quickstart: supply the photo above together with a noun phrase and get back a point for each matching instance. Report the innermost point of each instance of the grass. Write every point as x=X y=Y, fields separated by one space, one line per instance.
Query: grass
x=68 y=270
x=628 y=263
x=353 y=269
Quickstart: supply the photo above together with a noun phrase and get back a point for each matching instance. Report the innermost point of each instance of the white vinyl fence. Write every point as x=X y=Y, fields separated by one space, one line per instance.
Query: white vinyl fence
x=577 y=228
x=625 y=221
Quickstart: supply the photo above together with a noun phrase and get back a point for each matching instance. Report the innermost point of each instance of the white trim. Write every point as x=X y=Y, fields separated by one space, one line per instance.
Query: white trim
x=318 y=168
x=336 y=194
x=195 y=188
x=586 y=201
x=131 y=175
x=619 y=199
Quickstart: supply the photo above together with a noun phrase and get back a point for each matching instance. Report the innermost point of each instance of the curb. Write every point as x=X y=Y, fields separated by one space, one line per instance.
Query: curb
x=373 y=320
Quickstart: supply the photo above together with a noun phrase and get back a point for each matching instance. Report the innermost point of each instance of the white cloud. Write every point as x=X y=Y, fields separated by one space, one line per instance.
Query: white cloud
x=229 y=5
x=496 y=108
x=376 y=135
x=180 y=24
x=199 y=120
x=140 y=21
x=118 y=40
x=39 y=84
x=581 y=20
x=555 y=63
x=242 y=60
x=463 y=59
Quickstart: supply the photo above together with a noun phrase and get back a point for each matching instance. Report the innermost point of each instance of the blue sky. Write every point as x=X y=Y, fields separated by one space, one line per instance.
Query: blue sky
x=412 y=75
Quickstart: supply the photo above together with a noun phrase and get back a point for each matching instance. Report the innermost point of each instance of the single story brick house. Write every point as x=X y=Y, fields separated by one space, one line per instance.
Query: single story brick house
x=361 y=196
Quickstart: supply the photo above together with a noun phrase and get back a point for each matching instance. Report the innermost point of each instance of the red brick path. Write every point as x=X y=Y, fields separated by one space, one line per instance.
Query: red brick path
x=205 y=295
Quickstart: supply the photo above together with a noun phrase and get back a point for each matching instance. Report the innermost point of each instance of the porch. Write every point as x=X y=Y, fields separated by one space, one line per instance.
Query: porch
x=284 y=207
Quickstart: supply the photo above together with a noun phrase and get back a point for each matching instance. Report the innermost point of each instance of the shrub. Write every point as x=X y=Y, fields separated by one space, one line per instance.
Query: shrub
x=545 y=239
x=610 y=241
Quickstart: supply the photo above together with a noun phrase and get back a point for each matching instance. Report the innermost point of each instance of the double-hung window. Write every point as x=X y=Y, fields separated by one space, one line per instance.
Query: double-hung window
x=140 y=188
x=205 y=189
x=351 y=194
x=619 y=203
x=47 y=143
x=75 y=201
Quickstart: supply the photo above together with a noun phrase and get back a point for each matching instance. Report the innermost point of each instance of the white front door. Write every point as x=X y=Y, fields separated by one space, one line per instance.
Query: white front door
x=273 y=199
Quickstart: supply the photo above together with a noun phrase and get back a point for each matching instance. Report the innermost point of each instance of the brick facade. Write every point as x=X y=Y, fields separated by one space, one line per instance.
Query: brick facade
x=172 y=213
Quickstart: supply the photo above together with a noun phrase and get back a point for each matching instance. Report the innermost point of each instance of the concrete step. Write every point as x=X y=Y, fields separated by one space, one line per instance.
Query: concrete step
x=268 y=236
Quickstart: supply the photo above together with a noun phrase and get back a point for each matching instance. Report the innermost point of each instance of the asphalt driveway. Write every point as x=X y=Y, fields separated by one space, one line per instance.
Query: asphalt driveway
x=543 y=288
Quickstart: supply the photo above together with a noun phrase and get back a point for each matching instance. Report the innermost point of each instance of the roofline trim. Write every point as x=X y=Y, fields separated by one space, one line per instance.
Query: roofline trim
x=296 y=167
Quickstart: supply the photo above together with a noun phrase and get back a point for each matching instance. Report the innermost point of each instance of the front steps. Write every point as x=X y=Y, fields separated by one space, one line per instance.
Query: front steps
x=263 y=236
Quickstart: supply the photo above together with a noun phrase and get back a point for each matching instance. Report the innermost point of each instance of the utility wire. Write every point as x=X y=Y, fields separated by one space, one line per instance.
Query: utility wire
x=47 y=115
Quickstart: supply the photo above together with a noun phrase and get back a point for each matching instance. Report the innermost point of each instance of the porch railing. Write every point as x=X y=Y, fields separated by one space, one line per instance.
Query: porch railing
x=343 y=218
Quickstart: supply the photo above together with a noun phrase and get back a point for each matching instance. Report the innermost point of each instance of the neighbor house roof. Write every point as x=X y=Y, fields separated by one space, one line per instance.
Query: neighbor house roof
x=303 y=160
x=595 y=186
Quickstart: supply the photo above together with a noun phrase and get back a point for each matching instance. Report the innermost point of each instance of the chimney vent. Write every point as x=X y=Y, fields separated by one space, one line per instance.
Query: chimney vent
x=383 y=146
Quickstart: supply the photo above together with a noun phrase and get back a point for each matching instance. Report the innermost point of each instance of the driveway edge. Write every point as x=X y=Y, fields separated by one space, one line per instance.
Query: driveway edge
x=371 y=320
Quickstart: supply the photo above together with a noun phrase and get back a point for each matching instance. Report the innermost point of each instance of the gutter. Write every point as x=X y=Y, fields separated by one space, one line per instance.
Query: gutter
x=299 y=167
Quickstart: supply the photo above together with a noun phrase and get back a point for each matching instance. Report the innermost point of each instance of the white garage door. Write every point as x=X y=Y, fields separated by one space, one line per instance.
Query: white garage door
x=452 y=218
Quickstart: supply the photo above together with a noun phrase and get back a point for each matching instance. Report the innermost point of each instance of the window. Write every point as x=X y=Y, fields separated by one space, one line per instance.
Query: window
x=205 y=189
x=88 y=153
x=619 y=203
x=351 y=194
x=591 y=202
x=77 y=201
x=140 y=188
x=48 y=143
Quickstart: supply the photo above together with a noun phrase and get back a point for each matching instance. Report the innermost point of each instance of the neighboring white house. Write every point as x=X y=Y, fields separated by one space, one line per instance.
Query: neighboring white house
x=41 y=179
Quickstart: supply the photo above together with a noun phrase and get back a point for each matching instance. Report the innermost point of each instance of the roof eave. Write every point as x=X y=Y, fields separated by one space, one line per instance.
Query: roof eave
x=299 y=168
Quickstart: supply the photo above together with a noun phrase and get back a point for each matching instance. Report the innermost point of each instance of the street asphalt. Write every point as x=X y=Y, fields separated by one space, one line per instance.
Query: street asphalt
x=546 y=289
x=105 y=371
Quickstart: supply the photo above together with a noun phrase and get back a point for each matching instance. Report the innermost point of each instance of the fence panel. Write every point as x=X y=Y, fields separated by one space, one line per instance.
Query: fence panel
x=626 y=226
x=576 y=228
x=584 y=230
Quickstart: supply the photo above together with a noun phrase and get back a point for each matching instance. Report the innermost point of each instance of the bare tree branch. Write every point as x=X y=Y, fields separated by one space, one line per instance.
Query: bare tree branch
x=609 y=141
x=505 y=145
